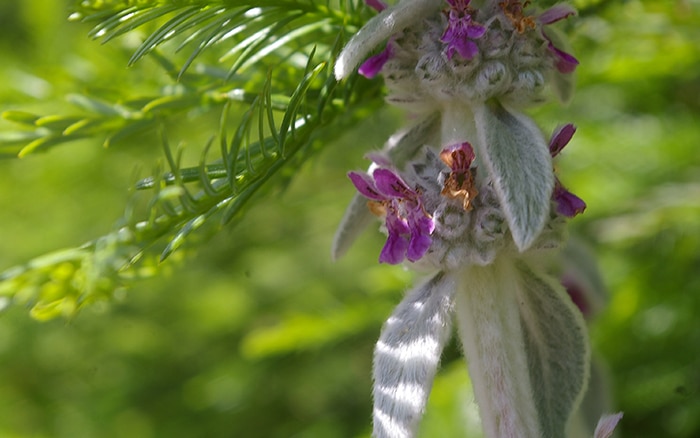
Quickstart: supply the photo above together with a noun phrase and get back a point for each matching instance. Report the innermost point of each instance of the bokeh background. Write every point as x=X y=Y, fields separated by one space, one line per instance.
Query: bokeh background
x=255 y=332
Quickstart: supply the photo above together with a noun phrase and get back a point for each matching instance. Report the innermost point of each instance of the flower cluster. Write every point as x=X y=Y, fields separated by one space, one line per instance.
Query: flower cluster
x=407 y=223
x=462 y=52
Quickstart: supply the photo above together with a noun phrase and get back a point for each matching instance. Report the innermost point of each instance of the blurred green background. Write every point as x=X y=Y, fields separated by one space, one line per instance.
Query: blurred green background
x=258 y=334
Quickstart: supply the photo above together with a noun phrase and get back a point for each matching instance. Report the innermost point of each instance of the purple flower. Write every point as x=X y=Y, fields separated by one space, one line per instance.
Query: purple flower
x=568 y=204
x=460 y=183
x=407 y=223
x=374 y=64
x=377 y=5
x=556 y=13
x=560 y=138
x=461 y=30
x=565 y=62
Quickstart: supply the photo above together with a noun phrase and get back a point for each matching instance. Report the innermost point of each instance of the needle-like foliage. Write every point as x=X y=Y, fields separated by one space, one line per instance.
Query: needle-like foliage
x=265 y=66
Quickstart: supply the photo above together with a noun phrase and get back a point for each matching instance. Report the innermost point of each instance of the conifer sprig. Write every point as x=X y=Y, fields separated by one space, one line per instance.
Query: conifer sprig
x=267 y=122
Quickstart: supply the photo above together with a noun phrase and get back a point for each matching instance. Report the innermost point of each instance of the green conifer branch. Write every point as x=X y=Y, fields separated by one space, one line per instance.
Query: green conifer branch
x=285 y=114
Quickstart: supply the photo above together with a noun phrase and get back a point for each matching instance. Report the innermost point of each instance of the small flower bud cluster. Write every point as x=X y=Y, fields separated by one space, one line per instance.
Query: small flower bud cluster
x=472 y=54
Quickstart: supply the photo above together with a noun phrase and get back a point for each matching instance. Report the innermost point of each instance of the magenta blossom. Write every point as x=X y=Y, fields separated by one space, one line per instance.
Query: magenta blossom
x=373 y=65
x=568 y=204
x=565 y=62
x=407 y=223
x=377 y=5
x=461 y=30
x=560 y=138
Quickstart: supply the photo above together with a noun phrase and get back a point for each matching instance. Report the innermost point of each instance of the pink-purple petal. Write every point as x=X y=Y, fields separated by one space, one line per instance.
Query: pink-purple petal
x=475 y=31
x=577 y=295
x=365 y=185
x=462 y=156
x=466 y=49
x=568 y=204
x=418 y=246
x=556 y=13
x=560 y=138
x=394 y=250
x=377 y=5
x=408 y=225
x=565 y=62
x=391 y=185
x=460 y=29
x=374 y=64
x=606 y=425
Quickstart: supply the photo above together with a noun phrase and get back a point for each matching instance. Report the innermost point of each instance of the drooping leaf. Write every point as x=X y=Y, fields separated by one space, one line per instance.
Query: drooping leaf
x=407 y=355
x=526 y=347
x=557 y=348
x=494 y=346
x=517 y=158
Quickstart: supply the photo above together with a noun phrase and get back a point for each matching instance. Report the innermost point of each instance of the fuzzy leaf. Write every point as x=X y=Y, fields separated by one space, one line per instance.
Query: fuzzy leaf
x=526 y=348
x=557 y=349
x=357 y=217
x=494 y=346
x=407 y=355
x=517 y=158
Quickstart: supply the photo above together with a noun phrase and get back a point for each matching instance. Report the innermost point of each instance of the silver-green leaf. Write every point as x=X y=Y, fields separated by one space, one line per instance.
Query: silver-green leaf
x=517 y=159
x=557 y=348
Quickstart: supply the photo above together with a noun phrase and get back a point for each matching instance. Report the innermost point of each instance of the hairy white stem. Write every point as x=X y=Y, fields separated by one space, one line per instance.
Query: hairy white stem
x=457 y=124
